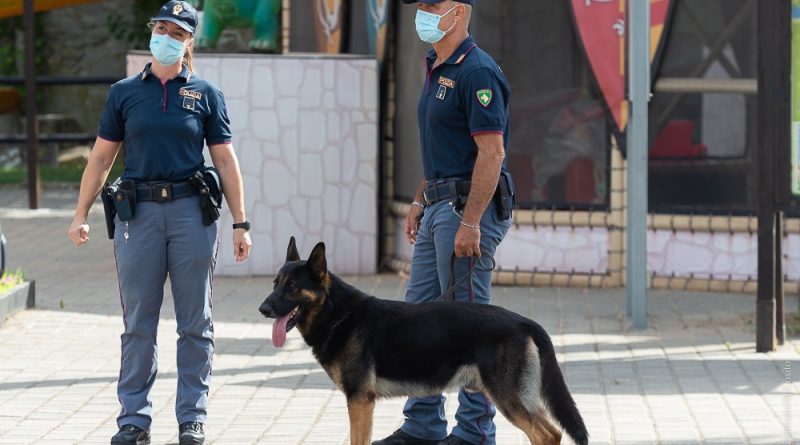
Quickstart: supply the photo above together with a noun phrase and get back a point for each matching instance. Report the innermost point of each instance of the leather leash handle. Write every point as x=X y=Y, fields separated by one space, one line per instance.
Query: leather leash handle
x=450 y=293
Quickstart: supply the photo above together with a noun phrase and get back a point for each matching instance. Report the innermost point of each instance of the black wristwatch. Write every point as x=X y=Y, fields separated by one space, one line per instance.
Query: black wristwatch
x=242 y=225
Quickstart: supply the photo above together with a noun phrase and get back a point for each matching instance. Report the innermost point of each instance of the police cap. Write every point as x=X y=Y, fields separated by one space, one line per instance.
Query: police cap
x=433 y=2
x=178 y=12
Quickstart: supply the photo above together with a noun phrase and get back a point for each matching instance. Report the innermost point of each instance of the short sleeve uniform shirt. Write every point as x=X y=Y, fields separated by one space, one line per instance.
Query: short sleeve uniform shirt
x=164 y=127
x=465 y=96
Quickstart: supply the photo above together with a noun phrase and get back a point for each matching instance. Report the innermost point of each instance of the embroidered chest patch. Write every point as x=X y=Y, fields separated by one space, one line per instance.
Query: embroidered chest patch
x=189 y=93
x=449 y=83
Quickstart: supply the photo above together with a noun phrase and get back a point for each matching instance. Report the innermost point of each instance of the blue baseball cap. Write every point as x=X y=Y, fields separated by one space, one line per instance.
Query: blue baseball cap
x=180 y=13
x=433 y=2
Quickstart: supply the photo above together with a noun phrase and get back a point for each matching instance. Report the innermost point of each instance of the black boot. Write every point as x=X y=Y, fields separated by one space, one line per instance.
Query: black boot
x=191 y=433
x=400 y=437
x=453 y=440
x=130 y=435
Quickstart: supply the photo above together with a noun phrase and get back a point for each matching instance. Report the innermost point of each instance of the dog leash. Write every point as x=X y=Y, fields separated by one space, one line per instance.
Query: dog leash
x=450 y=293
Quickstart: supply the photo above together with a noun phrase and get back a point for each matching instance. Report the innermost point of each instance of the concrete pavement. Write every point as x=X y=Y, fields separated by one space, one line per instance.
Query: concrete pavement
x=692 y=377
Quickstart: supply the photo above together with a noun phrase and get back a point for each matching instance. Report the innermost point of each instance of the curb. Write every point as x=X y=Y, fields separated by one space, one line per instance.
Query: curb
x=13 y=301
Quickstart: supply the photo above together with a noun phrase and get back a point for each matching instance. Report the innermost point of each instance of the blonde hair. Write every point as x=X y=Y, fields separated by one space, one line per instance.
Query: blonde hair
x=188 y=57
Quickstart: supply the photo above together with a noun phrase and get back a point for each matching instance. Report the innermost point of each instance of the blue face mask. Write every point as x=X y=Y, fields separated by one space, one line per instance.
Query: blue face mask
x=428 y=26
x=166 y=50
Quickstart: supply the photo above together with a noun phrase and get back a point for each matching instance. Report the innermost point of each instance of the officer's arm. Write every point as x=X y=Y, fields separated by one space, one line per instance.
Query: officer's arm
x=418 y=196
x=484 y=176
x=225 y=161
x=101 y=158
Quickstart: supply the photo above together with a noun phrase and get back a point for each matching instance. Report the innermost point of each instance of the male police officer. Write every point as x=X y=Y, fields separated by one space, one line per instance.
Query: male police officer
x=462 y=204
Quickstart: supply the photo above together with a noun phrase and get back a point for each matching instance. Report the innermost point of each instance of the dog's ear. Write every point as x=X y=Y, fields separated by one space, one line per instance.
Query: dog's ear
x=317 y=262
x=291 y=251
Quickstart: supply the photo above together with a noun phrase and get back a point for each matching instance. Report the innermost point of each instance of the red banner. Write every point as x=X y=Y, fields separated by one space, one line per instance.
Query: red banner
x=601 y=26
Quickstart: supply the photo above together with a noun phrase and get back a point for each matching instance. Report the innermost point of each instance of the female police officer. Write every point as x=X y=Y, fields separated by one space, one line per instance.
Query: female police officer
x=164 y=115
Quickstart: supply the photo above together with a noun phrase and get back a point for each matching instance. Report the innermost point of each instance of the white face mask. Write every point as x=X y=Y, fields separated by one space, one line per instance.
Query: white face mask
x=427 y=25
x=166 y=50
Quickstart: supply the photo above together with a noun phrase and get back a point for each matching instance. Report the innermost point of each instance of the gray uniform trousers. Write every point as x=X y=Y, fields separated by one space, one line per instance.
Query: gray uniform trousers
x=165 y=239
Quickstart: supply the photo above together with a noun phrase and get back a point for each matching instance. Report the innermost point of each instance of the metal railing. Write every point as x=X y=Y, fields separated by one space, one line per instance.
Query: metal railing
x=18 y=138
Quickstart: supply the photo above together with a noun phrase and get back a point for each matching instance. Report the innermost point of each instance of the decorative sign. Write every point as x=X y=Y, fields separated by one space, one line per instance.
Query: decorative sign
x=328 y=19
x=601 y=26
x=11 y=8
x=377 y=18
x=795 y=97
x=262 y=16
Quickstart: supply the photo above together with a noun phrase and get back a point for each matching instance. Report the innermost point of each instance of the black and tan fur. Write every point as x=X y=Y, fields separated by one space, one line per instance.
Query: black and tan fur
x=373 y=348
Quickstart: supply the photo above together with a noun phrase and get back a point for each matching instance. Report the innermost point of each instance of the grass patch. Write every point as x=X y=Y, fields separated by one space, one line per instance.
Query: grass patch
x=793 y=324
x=70 y=173
x=11 y=280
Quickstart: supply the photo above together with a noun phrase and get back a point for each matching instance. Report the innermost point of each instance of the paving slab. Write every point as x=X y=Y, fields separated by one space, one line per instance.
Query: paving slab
x=691 y=377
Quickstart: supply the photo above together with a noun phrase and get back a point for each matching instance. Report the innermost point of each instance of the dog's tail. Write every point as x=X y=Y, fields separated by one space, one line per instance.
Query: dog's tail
x=554 y=390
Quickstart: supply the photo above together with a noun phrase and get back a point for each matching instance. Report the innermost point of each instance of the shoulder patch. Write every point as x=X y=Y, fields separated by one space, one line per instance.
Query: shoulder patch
x=484 y=97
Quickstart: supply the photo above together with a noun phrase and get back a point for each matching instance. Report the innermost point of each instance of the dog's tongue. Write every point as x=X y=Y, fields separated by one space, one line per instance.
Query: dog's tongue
x=279 y=331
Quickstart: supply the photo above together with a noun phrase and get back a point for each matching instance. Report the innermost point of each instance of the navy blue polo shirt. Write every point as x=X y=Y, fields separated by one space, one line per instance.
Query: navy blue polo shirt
x=465 y=96
x=164 y=126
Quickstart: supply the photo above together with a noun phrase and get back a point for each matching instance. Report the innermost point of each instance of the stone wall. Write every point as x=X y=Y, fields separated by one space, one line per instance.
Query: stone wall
x=718 y=256
x=543 y=249
x=306 y=135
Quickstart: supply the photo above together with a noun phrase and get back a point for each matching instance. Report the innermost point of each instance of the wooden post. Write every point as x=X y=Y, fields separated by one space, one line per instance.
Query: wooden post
x=31 y=123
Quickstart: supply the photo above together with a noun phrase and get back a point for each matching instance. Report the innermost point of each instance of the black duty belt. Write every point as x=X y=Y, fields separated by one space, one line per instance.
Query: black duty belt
x=436 y=191
x=164 y=192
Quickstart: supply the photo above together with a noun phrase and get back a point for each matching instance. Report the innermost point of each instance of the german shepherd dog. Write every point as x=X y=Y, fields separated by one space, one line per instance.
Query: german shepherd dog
x=374 y=348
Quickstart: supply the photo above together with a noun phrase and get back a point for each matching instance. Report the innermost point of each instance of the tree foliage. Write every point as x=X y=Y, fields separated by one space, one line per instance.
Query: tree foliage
x=131 y=26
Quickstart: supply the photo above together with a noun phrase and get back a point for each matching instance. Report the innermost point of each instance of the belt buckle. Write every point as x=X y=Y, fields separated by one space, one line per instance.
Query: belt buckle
x=426 y=195
x=162 y=192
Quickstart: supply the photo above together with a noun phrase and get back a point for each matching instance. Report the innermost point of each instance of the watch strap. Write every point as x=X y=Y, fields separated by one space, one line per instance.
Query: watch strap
x=242 y=225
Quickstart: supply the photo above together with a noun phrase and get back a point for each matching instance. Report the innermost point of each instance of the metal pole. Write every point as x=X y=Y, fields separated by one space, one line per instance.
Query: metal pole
x=774 y=114
x=780 y=327
x=31 y=124
x=639 y=96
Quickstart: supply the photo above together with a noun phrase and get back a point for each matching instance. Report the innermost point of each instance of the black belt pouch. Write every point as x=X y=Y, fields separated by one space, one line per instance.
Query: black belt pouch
x=107 y=196
x=125 y=200
x=209 y=187
x=504 y=196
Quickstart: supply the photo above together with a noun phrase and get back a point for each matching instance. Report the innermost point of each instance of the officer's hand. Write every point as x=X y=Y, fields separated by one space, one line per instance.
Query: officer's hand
x=241 y=245
x=78 y=231
x=468 y=241
x=411 y=226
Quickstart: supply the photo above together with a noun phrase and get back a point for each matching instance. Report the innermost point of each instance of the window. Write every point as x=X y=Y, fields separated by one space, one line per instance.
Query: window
x=703 y=117
x=558 y=148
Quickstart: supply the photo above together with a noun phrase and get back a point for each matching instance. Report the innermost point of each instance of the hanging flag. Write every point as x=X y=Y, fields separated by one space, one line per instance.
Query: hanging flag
x=11 y=8
x=601 y=27
x=329 y=19
x=377 y=18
